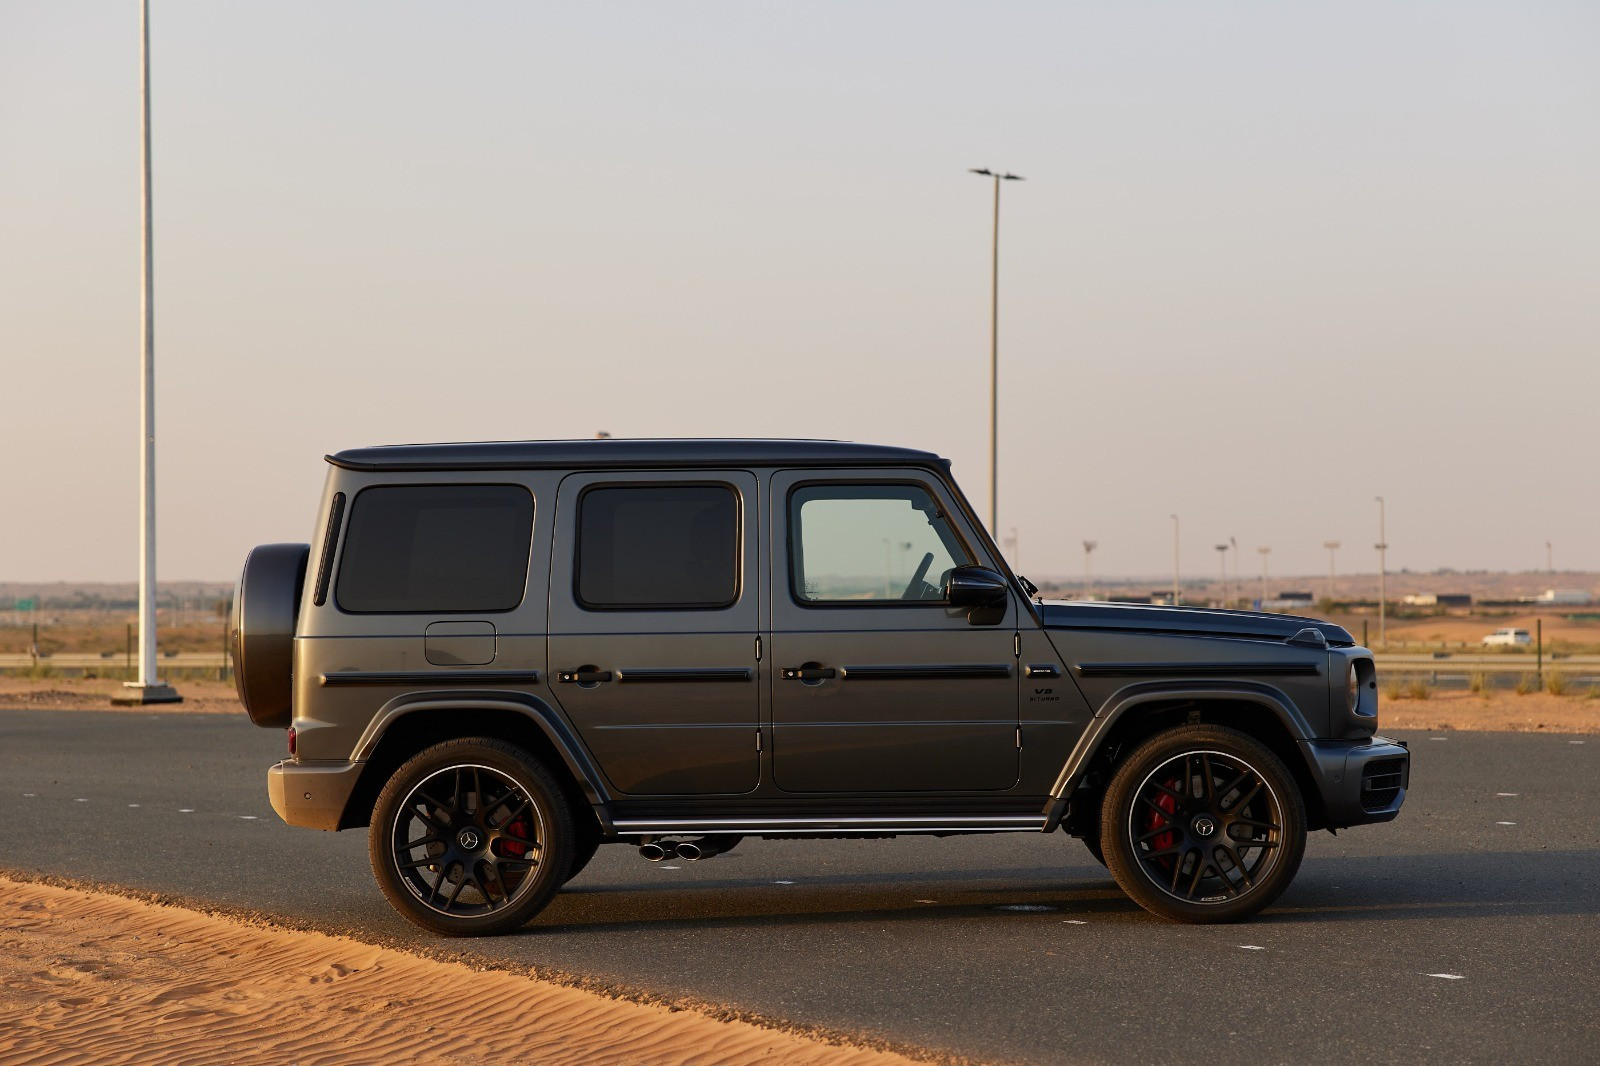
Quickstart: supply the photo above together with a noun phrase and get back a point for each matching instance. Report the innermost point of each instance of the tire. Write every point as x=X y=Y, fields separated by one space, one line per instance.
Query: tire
x=493 y=821
x=1203 y=823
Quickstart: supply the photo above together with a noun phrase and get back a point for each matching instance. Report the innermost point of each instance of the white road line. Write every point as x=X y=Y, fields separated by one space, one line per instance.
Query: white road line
x=1072 y=921
x=1252 y=947
x=1448 y=976
x=80 y=799
x=1505 y=823
x=1508 y=793
x=185 y=810
x=1438 y=738
x=248 y=817
x=29 y=795
x=924 y=901
x=1574 y=742
x=783 y=882
x=669 y=867
x=133 y=805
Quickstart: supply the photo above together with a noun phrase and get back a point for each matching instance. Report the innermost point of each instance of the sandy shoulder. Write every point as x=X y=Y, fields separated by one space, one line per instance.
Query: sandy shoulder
x=94 y=977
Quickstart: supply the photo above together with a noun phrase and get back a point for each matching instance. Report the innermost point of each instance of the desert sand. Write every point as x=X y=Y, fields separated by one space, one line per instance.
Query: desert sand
x=86 y=976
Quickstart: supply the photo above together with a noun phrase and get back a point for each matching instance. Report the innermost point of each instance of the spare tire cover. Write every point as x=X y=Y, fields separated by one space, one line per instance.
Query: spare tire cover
x=261 y=631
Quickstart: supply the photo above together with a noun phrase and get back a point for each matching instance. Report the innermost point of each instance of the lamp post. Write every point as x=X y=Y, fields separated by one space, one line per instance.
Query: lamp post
x=1332 y=546
x=994 y=350
x=148 y=688
x=1222 y=562
x=1176 y=600
x=1383 y=578
x=1264 y=553
x=1088 y=571
x=1549 y=558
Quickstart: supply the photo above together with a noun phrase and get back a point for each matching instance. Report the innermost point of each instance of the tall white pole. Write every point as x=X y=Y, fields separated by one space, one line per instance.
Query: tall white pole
x=1332 y=546
x=147 y=689
x=1175 y=599
x=1383 y=579
x=994 y=370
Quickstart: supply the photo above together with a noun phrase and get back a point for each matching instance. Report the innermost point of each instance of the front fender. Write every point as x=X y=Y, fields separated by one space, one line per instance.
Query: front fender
x=1127 y=701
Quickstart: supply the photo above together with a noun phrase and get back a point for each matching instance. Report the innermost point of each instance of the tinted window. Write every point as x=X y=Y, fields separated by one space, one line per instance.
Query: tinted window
x=644 y=546
x=864 y=543
x=436 y=548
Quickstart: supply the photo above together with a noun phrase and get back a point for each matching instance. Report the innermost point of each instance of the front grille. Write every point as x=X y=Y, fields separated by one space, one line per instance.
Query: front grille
x=1381 y=781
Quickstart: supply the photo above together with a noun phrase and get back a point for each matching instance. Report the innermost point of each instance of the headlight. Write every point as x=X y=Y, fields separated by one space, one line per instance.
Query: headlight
x=1352 y=688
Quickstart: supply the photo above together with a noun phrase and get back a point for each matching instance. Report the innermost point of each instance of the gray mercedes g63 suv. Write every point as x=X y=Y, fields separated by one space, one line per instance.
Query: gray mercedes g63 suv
x=502 y=656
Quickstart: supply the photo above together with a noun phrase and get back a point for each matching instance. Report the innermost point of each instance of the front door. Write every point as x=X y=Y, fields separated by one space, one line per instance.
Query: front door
x=879 y=684
x=653 y=613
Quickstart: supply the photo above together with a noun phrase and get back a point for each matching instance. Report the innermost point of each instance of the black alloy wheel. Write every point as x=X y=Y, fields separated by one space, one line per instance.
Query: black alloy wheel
x=471 y=837
x=1203 y=824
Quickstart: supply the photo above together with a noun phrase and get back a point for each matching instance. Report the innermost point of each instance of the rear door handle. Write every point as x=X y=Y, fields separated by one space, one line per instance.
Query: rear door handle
x=809 y=673
x=583 y=677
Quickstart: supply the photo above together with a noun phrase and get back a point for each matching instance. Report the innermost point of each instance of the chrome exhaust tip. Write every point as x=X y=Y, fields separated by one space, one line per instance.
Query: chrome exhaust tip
x=692 y=852
x=656 y=852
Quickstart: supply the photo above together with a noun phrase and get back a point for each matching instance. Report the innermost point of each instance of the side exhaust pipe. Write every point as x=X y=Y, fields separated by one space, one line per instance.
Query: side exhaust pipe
x=706 y=847
x=656 y=852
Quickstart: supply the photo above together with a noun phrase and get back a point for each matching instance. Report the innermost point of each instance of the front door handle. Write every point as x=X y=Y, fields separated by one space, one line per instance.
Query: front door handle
x=809 y=673
x=583 y=677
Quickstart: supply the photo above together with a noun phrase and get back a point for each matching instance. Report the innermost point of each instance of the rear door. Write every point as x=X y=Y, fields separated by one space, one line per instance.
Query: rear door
x=879 y=685
x=653 y=618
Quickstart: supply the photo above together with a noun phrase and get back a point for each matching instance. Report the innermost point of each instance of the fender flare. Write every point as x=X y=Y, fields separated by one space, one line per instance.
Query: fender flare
x=1128 y=700
x=555 y=729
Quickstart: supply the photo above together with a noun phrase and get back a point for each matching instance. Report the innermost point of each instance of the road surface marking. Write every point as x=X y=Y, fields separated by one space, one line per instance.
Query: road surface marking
x=1252 y=947
x=1026 y=907
x=1505 y=823
x=1508 y=793
x=185 y=810
x=783 y=882
x=1448 y=976
x=1072 y=921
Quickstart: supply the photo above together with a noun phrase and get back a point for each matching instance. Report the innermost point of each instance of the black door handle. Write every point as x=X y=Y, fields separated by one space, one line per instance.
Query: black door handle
x=809 y=673
x=583 y=677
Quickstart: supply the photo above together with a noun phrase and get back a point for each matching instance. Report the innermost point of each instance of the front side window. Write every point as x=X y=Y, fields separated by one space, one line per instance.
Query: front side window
x=855 y=544
x=644 y=547
x=436 y=549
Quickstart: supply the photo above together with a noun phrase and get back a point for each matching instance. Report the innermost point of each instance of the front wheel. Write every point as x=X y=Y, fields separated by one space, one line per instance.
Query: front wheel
x=1203 y=824
x=471 y=837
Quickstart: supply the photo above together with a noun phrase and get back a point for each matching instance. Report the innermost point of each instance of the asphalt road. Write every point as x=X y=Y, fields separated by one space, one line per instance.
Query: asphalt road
x=1008 y=948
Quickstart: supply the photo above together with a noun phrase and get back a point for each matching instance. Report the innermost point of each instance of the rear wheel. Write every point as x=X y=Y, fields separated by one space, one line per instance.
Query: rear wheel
x=1203 y=824
x=471 y=838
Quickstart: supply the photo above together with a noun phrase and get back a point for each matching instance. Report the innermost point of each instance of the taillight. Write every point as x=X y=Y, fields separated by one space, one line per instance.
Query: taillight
x=292 y=736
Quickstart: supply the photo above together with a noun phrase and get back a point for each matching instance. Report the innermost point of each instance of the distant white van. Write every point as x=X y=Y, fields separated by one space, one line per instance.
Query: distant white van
x=1508 y=636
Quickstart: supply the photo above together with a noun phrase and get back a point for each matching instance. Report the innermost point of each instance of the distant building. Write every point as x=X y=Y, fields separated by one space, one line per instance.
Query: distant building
x=1438 y=599
x=1565 y=597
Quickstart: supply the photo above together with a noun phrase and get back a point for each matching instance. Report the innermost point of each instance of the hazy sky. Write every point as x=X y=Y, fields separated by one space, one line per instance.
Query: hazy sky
x=1270 y=260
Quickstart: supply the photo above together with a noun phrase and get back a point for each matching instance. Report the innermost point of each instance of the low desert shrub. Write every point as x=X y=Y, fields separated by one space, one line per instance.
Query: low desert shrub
x=1478 y=683
x=1394 y=688
x=1418 y=689
x=1527 y=684
x=1555 y=683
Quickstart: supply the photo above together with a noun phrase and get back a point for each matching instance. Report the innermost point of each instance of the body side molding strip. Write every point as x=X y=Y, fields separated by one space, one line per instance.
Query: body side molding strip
x=1205 y=669
x=680 y=674
x=429 y=677
x=953 y=672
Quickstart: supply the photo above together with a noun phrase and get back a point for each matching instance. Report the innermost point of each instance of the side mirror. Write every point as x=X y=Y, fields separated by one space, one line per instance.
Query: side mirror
x=975 y=587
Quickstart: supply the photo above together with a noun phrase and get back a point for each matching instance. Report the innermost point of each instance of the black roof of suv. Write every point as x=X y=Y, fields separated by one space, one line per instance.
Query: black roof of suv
x=634 y=453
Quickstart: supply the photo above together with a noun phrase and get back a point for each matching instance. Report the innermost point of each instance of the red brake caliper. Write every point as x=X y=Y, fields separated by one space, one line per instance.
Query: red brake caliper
x=1162 y=841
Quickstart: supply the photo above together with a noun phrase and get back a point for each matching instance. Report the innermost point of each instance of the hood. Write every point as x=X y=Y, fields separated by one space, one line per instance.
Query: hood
x=1197 y=621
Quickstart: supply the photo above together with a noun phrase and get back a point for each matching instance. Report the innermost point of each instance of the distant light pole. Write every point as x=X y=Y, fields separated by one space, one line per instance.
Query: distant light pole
x=148 y=688
x=1088 y=571
x=994 y=350
x=1233 y=546
x=1222 y=560
x=1332 y=546
x=1383 y=578
x=1176 y=601
x=1549 y=558
x=1013 y=547
x=1264 y=553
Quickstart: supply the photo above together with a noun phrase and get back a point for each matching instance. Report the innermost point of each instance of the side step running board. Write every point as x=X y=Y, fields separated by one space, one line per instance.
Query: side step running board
x=959 y=823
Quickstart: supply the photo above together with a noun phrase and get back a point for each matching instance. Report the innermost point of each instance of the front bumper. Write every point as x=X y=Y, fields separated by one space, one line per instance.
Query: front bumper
x=1361 y=781
x=313 y=795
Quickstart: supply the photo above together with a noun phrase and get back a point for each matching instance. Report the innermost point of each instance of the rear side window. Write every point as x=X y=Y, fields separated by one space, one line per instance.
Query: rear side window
x=436 y=549
x=658 y=547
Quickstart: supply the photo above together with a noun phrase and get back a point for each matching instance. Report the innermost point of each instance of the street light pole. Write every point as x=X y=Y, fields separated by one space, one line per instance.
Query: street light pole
x=1264 y=553
x=1332 y=546
x=1383 y=578
x=994 y=349
x=1222 y=561
x=1088 y=571
x=148 y=688
x=1176 y=600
